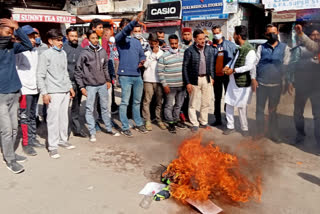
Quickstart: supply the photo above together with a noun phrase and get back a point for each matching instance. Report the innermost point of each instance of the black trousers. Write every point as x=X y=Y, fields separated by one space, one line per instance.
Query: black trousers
x=220 y=83
x=304 y=91
x=75 y=110
x=272 y=94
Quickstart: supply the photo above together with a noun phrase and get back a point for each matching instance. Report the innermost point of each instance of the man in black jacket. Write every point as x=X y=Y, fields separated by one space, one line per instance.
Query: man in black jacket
x=198 y=76
x=73 y=50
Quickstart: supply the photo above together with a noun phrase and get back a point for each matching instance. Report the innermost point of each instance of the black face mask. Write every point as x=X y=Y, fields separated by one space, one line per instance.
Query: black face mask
x=272 y=38
x=5 y=42
x=186 y=42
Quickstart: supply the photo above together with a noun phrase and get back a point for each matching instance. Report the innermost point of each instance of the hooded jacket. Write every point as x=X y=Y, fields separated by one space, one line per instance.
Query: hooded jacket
x=73 y=53
x=92 y=67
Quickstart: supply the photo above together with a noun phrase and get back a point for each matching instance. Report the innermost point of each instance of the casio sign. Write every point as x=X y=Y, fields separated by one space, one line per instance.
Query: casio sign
x=163 y=11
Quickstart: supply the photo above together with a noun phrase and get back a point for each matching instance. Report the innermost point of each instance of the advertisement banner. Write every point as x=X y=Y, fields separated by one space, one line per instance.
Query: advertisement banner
x=206 y=26
x=21 y=17
x=281 y=5
x=128 y=6
x=164 y=11
x=202 y=9
x=284 y=17
x=105 y=6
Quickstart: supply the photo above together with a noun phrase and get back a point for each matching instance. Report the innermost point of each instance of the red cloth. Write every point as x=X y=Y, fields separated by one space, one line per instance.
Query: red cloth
x=105 y=45
x=187 y=29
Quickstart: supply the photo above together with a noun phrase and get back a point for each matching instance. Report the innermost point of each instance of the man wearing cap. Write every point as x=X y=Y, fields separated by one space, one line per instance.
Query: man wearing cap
x=10 y=87
x=26 y=64
x=186 y=37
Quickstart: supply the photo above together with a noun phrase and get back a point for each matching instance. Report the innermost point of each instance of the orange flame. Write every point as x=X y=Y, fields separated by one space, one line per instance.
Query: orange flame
x=200 y=171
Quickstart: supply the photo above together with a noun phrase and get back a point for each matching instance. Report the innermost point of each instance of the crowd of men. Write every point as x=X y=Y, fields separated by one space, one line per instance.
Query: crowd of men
x=160 y=81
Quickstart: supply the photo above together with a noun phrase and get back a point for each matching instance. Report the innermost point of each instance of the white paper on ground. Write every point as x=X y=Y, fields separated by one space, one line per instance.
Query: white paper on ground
x=152 y=188
x=205 y=207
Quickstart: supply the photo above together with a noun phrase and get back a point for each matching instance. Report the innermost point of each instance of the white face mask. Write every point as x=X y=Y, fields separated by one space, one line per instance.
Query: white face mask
x=137 y=35
x=174 y=51
x=217 y=36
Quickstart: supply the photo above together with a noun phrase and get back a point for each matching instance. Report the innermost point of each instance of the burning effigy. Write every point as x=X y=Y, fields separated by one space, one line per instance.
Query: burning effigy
x=202 y=171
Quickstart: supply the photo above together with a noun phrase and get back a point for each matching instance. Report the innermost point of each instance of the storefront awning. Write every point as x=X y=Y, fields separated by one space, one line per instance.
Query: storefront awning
x=51 y=16
x=163 y=24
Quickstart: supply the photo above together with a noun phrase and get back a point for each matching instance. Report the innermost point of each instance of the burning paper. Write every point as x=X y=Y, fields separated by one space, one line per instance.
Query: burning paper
x=205 y=207
x=151 y=188
x=200 y=171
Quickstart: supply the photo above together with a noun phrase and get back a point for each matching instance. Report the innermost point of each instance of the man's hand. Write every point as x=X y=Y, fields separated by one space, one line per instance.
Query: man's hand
x=9 y=23
x=46 y=99
x=166 y=89
x=298 y=29
x=254 y=85
x=229 y=71
x=290 y=89
x=84 y=92
x=108 y=85
x=139 y=16
x=212 y=81
x=72 y=93
x=141 y=64
x=189 y=88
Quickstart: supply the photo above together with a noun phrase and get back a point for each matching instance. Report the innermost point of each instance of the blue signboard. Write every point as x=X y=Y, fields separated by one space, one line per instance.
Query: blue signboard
x=202 y=10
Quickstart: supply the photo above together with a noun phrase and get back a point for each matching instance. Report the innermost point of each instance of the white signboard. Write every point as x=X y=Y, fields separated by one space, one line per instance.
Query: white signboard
x=230 y=7
x=105 y=6
x=281 y=5
x=284 y=17
x=128 y=5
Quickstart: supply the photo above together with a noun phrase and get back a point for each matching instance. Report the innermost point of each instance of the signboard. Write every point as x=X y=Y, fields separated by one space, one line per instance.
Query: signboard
x=281 y=5
x=164 y=11
x=21 y=17
x=284 y=17
x=249 y=1
x=202 y=9
x=128 y=6
x=105 y=6
x=206 y=26
x=230 y=6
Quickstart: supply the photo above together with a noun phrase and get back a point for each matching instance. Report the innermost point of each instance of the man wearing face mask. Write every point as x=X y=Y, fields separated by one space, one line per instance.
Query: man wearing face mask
x=198 y=76
x=40 y=46
x=186 y=37
x=136 y=33
x=224 y=51
x=73 y=50
x=272 y=59
x=10 y=86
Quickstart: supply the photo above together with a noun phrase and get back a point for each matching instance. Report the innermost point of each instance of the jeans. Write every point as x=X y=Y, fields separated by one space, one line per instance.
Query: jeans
x=303 y=93
x=127 y=83
x=58 y=119
x=272 y=94
x=28 y=106
x=9 y=104
x=103 y=93
x=220 y=83
x=75 y=110
x=150 y=90
x=173 y=103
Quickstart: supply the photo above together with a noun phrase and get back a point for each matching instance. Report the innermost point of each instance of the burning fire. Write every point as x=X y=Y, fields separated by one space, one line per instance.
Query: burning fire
x=201 y=171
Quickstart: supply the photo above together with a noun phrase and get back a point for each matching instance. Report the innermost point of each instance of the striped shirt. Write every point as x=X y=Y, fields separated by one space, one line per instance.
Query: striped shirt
x=170 y=69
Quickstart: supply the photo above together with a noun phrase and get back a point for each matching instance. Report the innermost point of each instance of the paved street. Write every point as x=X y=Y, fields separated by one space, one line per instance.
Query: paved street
x=105 y=177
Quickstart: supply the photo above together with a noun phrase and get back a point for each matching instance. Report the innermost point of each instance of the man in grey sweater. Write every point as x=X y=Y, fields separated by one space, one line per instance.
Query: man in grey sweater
x=54 y=84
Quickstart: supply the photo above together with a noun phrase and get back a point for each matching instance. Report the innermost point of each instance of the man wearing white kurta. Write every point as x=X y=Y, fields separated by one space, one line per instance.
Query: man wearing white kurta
x=242 y=73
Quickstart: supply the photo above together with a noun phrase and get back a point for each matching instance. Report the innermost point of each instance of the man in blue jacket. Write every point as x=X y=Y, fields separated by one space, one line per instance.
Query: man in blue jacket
x=224 y=51
x=10 y=88
x=131 y=57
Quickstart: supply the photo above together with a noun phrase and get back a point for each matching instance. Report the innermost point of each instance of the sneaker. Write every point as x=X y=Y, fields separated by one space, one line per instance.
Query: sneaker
x=15 y=167
x=217 y=123
x=194 y=129
x=203 y=126
x=54 y=154
x=29 y=150
x=228 y=131
x=181 y=125
x=172 y=128
x=148 y=125
x=142 y=129
x=80 y=134
x=92 y=138
x=245 y=133
x=36 y=143
x=67 y=145
x=112 y=133
x=127 y=133
x=162 y=125
x=20 y=158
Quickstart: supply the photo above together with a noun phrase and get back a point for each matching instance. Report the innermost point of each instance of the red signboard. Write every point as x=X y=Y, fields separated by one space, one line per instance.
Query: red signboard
x=23 y=17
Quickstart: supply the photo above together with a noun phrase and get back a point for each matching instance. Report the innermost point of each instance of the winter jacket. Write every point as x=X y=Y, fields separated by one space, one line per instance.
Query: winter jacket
x=130 y=52
x=52 y=72
x=73 y=53
x=191 y=62
x=26 y=64
x=229 y=51
x=9 y=79
x=92 y=67
x=104 y=44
